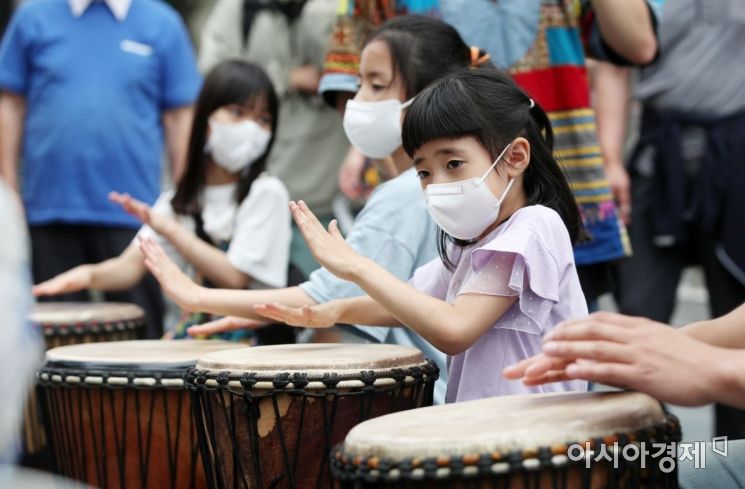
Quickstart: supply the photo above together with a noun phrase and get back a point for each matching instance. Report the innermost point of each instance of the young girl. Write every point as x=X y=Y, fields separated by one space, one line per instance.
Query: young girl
x=226 y=222
x=506 y=275
x=403 y=57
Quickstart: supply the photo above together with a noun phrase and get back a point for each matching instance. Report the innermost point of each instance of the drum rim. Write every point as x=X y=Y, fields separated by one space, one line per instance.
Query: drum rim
x=144 y=375
x=130 y=322
x=350 y=467
x=310 y=380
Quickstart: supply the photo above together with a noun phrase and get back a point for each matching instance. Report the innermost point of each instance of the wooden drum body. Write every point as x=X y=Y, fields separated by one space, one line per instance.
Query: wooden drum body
x=71 y=323
x=268 y=416
x=118 y=416
x=516 y=442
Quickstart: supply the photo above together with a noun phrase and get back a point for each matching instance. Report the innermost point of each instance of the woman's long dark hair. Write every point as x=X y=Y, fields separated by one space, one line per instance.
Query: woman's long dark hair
x=422 y=49
x=228 y=83
x=486 y=104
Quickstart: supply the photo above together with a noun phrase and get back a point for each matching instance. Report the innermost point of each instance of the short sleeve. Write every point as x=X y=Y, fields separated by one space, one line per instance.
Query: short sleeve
x=162 y=206
x=180 y=79
x=14 y=53
x=595 y=45
x=260 y=246
x=432 y=279
x=516 y=264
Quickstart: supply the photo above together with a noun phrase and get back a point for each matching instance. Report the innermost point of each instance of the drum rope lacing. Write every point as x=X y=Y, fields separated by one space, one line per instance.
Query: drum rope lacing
x=253 y=387
x=528 y=464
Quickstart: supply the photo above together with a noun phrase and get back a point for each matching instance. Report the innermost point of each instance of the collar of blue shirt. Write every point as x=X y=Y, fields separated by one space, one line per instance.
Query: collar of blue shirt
x=118 y=7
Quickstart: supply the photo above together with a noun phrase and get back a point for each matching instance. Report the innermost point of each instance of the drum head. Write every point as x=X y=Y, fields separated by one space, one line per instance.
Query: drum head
x=144 y=354
x=313 y=359
x=502 y=425
x=74 y=313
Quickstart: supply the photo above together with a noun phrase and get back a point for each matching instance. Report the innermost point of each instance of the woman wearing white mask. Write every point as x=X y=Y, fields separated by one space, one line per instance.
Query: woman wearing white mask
x=483 y=151
x=226 y=223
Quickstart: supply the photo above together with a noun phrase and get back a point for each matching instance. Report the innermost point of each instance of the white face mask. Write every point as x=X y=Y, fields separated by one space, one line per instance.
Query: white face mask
x=235 y=146
x=465 y=209
x=374 y=128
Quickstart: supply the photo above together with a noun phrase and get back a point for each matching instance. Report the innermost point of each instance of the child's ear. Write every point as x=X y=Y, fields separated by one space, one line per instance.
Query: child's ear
x=518 y=157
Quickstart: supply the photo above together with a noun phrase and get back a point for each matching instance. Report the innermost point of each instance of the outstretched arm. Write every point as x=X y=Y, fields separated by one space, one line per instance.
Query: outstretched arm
x=192 y=297
x=118 y=273
x=451 y=328
x=212 y=263
x=727 y=331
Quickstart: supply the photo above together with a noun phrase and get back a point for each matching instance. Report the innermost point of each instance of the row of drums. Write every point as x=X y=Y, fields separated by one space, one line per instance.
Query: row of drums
x=196 y=414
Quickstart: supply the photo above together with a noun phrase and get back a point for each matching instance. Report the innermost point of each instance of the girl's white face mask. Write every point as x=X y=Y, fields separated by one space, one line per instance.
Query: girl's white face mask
x=236 y=146
x=465 y=209
x=374 y=128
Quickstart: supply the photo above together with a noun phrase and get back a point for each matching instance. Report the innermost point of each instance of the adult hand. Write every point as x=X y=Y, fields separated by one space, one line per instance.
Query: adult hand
x=629 y=352
x=305 y=79
x=222 y=325
x=175 y=283
x=350 y=175
x=620 y=185
x=73 y=280
x=319 y=316
x=328 y=247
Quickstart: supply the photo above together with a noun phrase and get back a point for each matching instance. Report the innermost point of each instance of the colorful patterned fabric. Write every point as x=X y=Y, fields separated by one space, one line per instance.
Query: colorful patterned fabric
x=551 y=68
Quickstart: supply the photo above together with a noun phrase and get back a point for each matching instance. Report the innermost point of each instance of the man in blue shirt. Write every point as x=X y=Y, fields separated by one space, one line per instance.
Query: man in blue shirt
x=90 y=91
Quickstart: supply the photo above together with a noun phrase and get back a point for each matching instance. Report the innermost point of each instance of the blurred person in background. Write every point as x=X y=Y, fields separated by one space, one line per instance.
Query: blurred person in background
x=20 y=350
x=288 y=38
x=683 y=191
x=90 y=92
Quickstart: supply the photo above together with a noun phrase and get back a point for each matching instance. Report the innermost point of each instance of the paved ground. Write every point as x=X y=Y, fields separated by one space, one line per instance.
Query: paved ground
x=697 y=423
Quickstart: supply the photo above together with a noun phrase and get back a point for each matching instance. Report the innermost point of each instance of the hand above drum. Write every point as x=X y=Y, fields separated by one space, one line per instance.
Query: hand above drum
x=639 y=354
x=222 y=325
x=160 y=224
x=318 y=316
x=73 y=280
x=328 y=247
x=175 y=283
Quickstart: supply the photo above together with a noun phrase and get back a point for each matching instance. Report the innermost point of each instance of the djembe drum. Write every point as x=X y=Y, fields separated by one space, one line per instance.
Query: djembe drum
x=572 y=440
x=268 y=416
x=69 y=323
x=118 y=415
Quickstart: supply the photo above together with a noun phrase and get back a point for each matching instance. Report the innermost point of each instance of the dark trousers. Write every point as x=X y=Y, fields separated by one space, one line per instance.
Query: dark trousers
x=648 y=281
x=57 y=248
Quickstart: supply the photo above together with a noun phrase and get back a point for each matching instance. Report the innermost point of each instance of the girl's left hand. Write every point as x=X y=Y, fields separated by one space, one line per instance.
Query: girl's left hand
x=143 y=212
x=318 y=316
x=328 y=247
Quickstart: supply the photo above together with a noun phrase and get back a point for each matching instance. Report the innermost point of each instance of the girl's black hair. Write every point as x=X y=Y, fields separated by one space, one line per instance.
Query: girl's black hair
x=422 y=49
x=230 y=82
x=486 y=104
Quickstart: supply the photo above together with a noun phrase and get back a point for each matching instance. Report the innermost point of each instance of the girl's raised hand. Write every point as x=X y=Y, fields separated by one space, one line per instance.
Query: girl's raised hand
x=329 y=248
x=175 y=283
x=142 y=211
x=320 y=316
x=78 y=278
x=222 y=325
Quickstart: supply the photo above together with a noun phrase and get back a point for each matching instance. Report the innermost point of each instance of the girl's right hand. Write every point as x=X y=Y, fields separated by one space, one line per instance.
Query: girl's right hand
x=175 y=283
x=222 y=325
x=73 y=280
x=319 y=316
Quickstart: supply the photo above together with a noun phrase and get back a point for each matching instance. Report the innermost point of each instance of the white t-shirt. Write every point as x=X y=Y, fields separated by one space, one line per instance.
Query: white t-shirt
x=258 y=230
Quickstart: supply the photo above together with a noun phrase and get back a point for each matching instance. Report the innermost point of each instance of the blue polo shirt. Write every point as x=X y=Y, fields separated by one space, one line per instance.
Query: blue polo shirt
x=95 y=90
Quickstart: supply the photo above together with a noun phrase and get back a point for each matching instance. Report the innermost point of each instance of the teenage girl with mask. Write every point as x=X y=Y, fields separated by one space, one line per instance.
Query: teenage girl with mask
x=403 y=57
x=226 y=222
x=506 y=275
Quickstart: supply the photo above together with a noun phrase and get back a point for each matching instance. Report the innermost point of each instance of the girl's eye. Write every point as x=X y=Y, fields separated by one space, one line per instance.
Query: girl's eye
x=235 y=110
x=422 y=174
x=453 y=164
x=378 y=87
